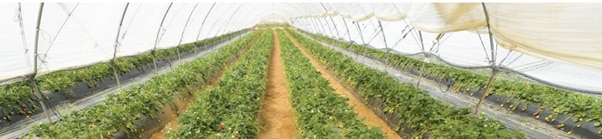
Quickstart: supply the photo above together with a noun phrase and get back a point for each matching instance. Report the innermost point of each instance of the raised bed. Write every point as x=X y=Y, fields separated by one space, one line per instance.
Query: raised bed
x=84 y=89
x=586 y=125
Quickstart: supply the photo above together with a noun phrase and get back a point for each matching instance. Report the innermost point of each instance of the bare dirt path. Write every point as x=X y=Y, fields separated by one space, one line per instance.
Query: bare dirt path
x=277 y=113
x=362 y=110
x=173 y=125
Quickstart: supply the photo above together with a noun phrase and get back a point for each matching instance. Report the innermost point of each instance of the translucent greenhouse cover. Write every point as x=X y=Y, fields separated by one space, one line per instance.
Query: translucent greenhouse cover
x=556 y=42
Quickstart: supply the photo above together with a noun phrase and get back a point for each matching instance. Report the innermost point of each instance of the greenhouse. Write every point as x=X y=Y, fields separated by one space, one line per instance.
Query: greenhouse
x=300 y=70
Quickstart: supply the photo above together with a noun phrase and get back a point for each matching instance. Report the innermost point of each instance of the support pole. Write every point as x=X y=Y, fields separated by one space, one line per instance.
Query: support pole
x=321 y=28
x=357 y=25
x=359 y=30
x=493 y=58
x=386 y=45
x=113 y=65
x=203 y=24
x=346 y=28
x=312 y=25
x=34 y=87
x=157 y=40
x=184 y=30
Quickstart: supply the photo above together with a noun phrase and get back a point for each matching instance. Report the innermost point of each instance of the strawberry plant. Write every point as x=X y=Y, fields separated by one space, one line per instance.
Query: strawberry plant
x=120 y=111
x=60 y=81
x=557 y=100
x=419 y=114
x=230 y=109
x=321 y=112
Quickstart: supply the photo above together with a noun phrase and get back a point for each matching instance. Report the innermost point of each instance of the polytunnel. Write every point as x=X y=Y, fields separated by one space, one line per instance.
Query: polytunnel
x=300 y=70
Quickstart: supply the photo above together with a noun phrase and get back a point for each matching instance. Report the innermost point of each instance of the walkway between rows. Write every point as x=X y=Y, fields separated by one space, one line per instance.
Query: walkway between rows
x=277 y=113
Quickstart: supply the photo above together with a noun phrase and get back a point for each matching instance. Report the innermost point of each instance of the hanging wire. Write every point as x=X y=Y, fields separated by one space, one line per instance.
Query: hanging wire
x=333 y=24
x=505 y=57
x=374 y=35
x=403 y=36
x=413 y=34
x=25 y=50
x=130 y=22
x=364 y=11
x=62 y=26
x=537 y=67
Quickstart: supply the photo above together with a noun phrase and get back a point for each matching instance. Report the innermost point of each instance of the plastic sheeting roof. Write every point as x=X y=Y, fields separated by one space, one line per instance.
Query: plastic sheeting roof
x=79 y=34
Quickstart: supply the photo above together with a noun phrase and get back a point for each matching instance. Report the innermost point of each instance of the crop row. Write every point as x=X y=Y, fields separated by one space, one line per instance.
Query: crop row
x=581 y=108
x=17 y=98
x=230 y=109
x=321 y=112
x=417 y=113
x=120 y=111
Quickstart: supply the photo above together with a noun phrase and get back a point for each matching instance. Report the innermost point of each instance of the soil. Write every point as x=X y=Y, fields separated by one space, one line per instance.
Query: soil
x=277 y=113
x=371 y=119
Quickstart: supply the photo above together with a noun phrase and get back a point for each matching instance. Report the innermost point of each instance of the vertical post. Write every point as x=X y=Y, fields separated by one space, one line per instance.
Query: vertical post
x=493 y=57
x=34 y=86
x=184 y=30
x=113 y=65
x=157 y=40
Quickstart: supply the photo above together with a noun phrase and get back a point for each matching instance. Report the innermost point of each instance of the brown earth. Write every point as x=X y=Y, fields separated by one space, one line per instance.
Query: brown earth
x=277 y=113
